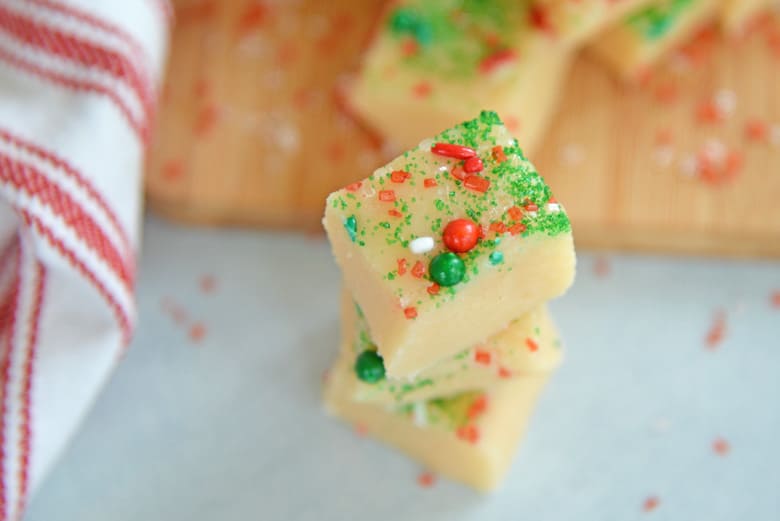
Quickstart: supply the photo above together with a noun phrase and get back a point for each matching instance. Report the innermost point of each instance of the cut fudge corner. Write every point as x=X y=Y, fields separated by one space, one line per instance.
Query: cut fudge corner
x=461 y=215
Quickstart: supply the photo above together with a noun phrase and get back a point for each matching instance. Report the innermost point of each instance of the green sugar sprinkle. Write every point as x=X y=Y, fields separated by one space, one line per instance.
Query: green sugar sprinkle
x=655 y=21
x=496 y=258
x=350 y=224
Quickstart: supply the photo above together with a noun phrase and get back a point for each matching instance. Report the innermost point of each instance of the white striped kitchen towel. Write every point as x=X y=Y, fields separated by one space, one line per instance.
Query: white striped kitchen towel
x=78 y=86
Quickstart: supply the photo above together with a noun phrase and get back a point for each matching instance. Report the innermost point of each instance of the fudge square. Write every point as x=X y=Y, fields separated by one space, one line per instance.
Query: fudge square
x=632 y=46
x=448 y=243
x=529 y=345
x=471 y=437
x=574 y=22
x=432 y=64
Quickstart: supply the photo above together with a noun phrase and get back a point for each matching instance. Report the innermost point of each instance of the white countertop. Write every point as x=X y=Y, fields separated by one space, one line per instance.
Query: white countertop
x=230 y=427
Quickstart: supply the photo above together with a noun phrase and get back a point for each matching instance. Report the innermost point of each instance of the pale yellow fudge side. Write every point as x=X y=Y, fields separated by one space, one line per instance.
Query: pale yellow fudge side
x=434 y=64
x=528 y=346
x=471 y=438
x=421 y=301
x=641 y=39
x=735 y=14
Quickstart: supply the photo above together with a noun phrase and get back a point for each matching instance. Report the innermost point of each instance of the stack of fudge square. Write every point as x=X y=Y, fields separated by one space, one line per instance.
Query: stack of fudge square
x=449 y=254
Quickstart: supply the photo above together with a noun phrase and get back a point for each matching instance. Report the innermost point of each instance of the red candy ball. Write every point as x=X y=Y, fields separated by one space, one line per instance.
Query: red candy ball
x=461 y=235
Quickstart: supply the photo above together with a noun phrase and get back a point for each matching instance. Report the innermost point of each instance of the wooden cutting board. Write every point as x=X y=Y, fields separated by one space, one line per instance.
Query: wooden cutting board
x=252 y=132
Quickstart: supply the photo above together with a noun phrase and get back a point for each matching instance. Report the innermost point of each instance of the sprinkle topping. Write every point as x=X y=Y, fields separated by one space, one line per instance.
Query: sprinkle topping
x=369 y=366
x=417 y=217
x=453 y=151
x=497 y=59
x=447 y=269
x=350 y=224
x=387 y=196
x=461 y=235
x=421 y=245
x=473 y=165
x=399 y=176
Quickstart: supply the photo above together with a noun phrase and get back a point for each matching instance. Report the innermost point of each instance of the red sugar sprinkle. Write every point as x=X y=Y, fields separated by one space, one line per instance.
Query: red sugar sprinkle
x=476 y=183
x=458 y=173
x=734 y=161
x=401 y=266
x=353 y=187
x=700 y=48
x=429 y=182
x=517 y=229
x=387 y=196
x=774 y=299
x=651 y=503
x=206 y=119
x=498 y=154
x=531 y=207
x=174 y=310
x=208 y=283
x=531 y=344
x=497 y=59
x=642 y=76
x=503 y=372
x=666 y=93
x=433 y=289
x=539 y=17
x=482 y=357
x=497 y=227
x=399 y=176
x=253 y=17
x=512 y=123
x=173 y=169
x=394 y=213
x=426 y=479
x=360 y=429
x=410 y=312
x=468 y=433
x=515 y=213
x=409 y=47
x=197 y=332
x=418 y=270
x=422 y=89
x=453 y=151
x=708 y=112
x=492 y=39
x=716 y=331
x=757 y=130
x=721 y=446
x=478 y=407
x=473 y=165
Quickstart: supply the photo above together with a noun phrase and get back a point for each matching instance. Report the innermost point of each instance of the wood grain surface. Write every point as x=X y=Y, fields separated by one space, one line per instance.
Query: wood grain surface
x=252 y=132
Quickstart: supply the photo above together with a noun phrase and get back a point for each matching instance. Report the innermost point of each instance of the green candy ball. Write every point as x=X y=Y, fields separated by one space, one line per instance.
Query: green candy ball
x=404 y=21
x=447 y=269
x=369 y=367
